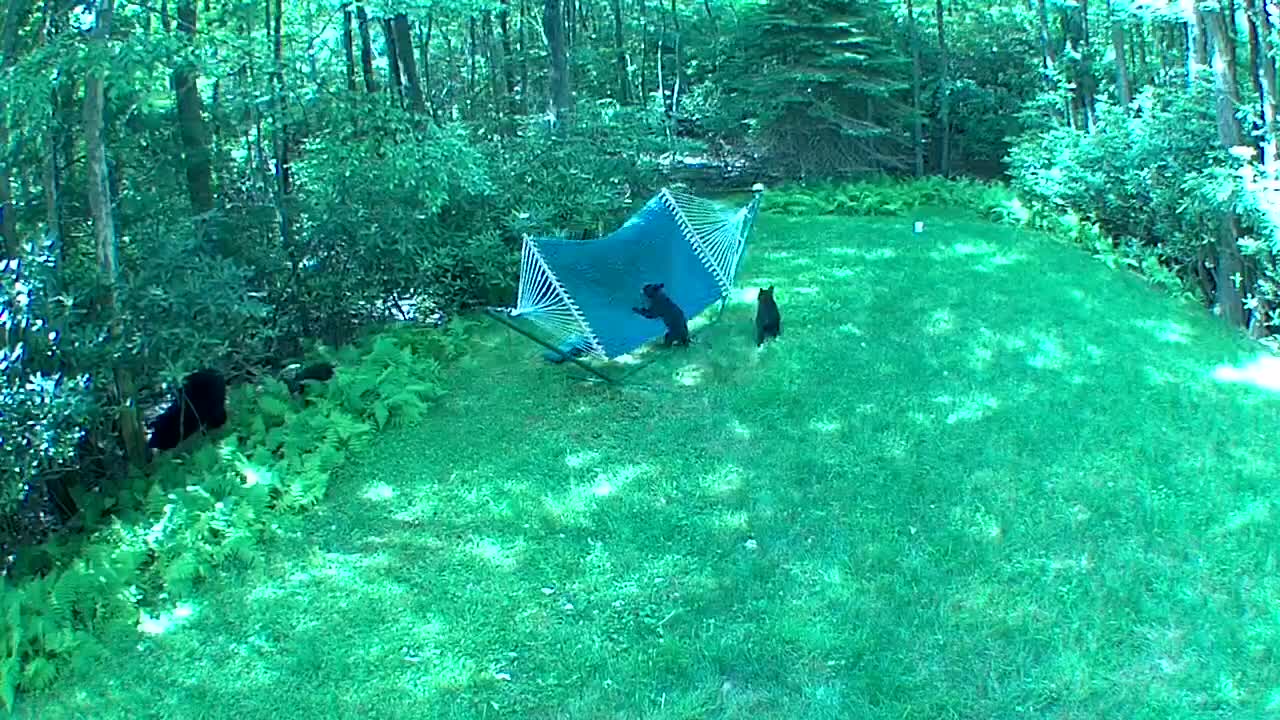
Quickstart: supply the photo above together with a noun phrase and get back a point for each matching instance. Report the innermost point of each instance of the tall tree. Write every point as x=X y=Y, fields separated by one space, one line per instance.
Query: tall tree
x=348 y=47
x=366 y=50
x=561 y=100
x=1124 y=90
x=944 y=94
x=917 y=112
x=1228 y=263
x=620 y=48
x=191 y=124
x=14 y=12
x=393 y=61
x=408 y=66
x=99 y=194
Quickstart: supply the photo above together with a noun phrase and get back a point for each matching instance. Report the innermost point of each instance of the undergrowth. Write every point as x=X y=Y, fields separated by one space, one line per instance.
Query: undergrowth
x=175 y=525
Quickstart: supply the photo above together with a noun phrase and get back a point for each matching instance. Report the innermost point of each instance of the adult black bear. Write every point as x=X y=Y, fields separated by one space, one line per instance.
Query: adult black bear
x=661 y=307
x=319 y=372
x=201 y=403
x=768 y=319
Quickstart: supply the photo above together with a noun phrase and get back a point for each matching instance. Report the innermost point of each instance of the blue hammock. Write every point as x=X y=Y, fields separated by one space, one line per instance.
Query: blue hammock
x=580 y=292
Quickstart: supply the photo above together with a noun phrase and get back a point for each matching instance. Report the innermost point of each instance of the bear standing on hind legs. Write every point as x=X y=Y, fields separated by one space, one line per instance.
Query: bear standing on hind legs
x=661 y=307
x=201 y=403
x=768 y=319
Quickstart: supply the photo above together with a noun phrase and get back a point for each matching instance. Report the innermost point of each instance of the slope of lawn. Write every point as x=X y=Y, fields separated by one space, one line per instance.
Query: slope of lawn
x=979 y=476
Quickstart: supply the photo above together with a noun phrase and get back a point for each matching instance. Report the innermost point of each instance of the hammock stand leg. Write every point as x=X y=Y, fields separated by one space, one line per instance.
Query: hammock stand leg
x=506 y=321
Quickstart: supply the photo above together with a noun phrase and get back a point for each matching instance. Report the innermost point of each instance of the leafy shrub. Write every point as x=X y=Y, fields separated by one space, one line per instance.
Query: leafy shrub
x=43 y=411
x=158 y=538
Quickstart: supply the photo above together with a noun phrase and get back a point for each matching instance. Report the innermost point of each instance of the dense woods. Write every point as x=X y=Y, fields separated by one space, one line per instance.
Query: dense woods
x=195 y=182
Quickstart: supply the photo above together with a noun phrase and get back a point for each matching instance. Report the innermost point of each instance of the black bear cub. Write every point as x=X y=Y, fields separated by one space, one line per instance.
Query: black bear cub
x=319 y=372
x=768 y=319
x=201 y=403
x=661 y=307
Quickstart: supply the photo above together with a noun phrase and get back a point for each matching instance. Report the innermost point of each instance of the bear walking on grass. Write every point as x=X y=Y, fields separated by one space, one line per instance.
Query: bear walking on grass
x=768 y=319
x=661 y=307
x=201 y=403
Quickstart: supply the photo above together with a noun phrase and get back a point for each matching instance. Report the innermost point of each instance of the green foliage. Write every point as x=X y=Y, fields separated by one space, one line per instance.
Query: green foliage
x=195 y=513
x=43 y=412
x=889 y=197
x=802 y=79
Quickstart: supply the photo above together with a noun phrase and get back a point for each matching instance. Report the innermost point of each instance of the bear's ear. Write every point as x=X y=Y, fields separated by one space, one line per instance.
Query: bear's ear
x=770 y=288
x=659 y=286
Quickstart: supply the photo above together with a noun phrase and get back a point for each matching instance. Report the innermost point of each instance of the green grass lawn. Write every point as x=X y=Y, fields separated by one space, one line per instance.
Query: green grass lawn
x=979 y=476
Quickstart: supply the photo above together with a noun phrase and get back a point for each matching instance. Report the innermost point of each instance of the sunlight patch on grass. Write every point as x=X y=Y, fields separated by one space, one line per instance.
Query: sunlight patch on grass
x=825 y=425
x=379 y=492
x=843 y=273
x=999 y=261
x=880 y=253
x=737 y=428
x=170 y=619
x=1167 y=330
x=973 y=407
x=691 y=375
x=981 y=358
x=895 y=444
x=1262 y=372
x=850 y=329
x=491 y=550
x=725 y=481
x=732 y=520
x=979 y=523
x=574 y=504
x=1257 y=513
x=579 y=459
x=940 y=322
x=974 y=249
x=1160 y=376
x=1049 y=355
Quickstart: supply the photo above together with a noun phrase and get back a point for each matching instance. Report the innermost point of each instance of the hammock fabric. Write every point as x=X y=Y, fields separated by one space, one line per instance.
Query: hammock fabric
x=581 y=292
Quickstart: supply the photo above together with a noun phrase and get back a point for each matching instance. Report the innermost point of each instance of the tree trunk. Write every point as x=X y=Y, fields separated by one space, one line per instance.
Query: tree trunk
x=14 y=11
x=620 y=47
x=944 y=96
x=99 y=195
x=349 y=48
x=404 y=49
x=508 y=68
x=917 y=121
x=679 y=71
x=493 y=56
x=366 y=51
x=561 y=99
x=1124 y=91
x=524 y=59
x=393 y=62
x=52 y=180
x=1197 y=45
x=1048 y=58
x=644 y=52
x=471 y=61
x=428 y=98
x=1229 y=267
x=191 y=124
x=1264 y=80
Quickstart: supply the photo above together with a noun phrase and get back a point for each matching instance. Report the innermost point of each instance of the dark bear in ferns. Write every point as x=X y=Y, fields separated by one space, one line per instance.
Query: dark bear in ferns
x=661 y=307
x=768 y=319
x=201 y=403
x=319 y=372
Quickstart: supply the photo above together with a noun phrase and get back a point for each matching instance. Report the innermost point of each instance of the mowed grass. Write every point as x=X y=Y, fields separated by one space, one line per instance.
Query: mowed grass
x=979 y=476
